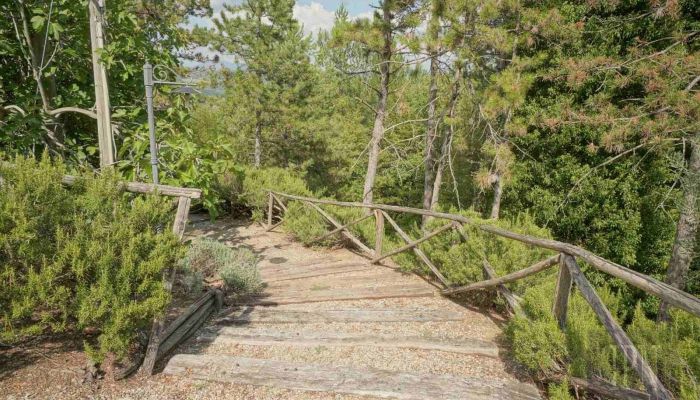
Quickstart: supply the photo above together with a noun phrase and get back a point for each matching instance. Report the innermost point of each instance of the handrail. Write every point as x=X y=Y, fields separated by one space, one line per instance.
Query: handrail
x=569 y=272
x=145 y=188
x=668 y=293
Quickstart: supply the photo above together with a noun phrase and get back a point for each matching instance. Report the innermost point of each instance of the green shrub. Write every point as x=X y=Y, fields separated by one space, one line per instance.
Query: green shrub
x=88 y=256
x=236 y=267
x=253 y=191
x=305 y=224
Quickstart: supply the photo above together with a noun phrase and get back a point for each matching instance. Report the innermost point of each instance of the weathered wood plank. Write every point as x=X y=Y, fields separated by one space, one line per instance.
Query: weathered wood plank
x=668 y=293
x=385 y=292
x=341 y=379
x=561 y=294
x=651 y=382
x=412 y=244
x=277 y=316
x=270 y=206
x=416 y=250
x=512 y=277
x=608 y=390
x=350 y=279
x=183 y=211
x=271 y=277
x=269 y=337
x=267 y=264
x=145 y=188
x=345 y=232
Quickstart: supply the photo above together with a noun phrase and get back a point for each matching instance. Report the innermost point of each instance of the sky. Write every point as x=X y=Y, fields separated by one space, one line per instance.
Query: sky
x=313 y=15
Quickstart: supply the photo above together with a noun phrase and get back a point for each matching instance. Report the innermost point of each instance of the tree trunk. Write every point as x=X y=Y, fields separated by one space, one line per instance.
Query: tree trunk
x=383 y=96
x=432 y=123
x=441 y=164
x=257 y=152
x=687 y=227
x=497 y=193
x=102 y=107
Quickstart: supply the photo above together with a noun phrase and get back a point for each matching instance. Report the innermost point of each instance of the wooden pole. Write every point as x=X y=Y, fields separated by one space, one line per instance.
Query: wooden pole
x=651 y=382
x=535 y=268
x=413 y=243
x=512 y=300
x=104 y=119
x=342 y=228
x=416 y=250
x=562 y=293
x=344 y=232
x=378 y=232
x=270 y=205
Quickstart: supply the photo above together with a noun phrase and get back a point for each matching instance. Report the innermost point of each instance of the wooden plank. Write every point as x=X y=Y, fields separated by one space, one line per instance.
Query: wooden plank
x=288 y=266
x=269 y=337
x=416 y=250
x=666 y=292
x=386 y=292
x=651 y=382
x=342 y=228
x=512 y=301
x=523 y=273
x=345 y=232
x=561 y=294
x=351 y=278
x=378 y=232
x=286 y=316
x=413 y=243
x=345 y=380
x=271 y=227
x=146 y=188
x=607 y=389
x=270 y=277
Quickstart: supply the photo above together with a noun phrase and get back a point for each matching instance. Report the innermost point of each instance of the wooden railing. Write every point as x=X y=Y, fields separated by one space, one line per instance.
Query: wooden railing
x=569 y=273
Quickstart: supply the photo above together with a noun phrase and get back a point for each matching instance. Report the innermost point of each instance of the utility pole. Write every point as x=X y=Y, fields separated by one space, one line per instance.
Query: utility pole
x=104 y=119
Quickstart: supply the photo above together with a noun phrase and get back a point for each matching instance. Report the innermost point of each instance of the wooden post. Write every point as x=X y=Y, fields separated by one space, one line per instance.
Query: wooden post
x=651 y=382
x=378 y=233
x=412 y=244
x=104 y=119
x=149 y=360
x=562 y=292
x=512 y=300
x=270 y=205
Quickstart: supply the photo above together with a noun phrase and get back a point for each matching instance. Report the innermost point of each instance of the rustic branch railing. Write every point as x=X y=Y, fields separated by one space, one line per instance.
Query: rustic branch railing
x=569 y=274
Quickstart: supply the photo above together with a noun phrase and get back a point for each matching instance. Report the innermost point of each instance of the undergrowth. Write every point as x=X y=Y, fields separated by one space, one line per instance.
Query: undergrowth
x=85 y=258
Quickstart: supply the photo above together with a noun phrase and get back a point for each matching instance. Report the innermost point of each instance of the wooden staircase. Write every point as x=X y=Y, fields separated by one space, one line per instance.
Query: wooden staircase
x=331 y=324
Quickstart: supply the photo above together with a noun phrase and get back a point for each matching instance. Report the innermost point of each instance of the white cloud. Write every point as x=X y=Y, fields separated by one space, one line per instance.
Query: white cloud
x=314 y=17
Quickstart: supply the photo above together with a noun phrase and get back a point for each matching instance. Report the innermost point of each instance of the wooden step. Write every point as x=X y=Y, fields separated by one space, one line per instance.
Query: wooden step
x=277 y=316
x=312 y=296
x=344 y=280
x=338 y=379
x=313 y=271
x=269 y=337
x=266 y=264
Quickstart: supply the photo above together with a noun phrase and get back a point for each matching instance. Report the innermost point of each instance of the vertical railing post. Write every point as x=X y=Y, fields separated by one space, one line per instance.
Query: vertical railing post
x=378 y=232
x=270 y=203
x=562 y=292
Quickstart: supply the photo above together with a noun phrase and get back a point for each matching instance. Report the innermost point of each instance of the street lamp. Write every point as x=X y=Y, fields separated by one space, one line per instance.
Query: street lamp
x=160 y=72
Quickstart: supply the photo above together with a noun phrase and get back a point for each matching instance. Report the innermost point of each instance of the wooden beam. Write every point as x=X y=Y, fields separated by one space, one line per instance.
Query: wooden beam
x=271 y=227
x=512 y=300
x=666 y=292
x=416 y=250
x=342 y=228
x=279 y=202
x=651 y=382
x=146 y=188
x=607 y=389
x=414 y=243
x=523 y=273
x=378 y=232
x=562 y=293
x=102 y=108
x=345 y=232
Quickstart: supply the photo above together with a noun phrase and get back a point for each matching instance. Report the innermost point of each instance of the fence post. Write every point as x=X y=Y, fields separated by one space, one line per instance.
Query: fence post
x=270 y=201
x=378 y=233
x=562 y=292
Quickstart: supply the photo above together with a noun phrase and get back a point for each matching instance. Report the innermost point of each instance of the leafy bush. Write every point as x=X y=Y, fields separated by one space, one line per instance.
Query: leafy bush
x=236 y=267
x=85 y=257
x=257 y=182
